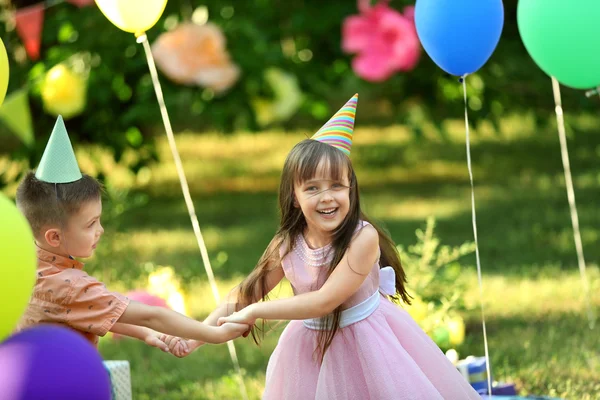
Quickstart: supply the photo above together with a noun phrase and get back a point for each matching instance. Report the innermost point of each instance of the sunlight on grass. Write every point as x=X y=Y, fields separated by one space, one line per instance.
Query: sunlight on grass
x=522 y=296
x=398 y=207
x=150 y=243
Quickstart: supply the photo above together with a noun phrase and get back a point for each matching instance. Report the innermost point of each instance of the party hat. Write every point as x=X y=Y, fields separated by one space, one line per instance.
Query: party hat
x=337 y=132
x=58 y=164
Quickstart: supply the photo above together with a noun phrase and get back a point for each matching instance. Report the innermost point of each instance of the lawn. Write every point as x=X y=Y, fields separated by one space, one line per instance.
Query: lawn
x=538 y=332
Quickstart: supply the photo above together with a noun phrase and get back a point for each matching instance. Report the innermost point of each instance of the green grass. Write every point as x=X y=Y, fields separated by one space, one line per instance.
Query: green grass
x=536 y=323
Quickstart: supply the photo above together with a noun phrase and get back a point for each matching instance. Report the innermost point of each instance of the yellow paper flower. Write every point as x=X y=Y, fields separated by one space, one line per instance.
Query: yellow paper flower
x=287 y=98
x=164 y=283
x=456 y=327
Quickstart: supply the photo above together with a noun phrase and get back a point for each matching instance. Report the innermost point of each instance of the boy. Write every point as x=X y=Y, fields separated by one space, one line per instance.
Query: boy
x=64 y=208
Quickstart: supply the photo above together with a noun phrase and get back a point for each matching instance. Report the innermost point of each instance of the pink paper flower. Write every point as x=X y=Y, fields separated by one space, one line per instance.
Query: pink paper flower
x=384 y=40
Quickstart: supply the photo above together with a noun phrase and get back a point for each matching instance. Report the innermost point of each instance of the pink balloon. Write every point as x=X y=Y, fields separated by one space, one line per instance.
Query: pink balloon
x=147 y=298
x=143 y=297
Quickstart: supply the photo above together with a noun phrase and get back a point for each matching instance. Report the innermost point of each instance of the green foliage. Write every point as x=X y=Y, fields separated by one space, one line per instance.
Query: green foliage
x=122 y=110
x=437 y=284
x=434 y=269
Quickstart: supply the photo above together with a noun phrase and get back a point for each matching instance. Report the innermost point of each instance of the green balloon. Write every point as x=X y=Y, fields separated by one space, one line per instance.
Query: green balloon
x=17 y=266
x=441 y=337
x=563 y=38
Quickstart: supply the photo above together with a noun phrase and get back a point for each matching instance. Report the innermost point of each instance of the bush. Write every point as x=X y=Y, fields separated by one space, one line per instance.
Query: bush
x=437 y=285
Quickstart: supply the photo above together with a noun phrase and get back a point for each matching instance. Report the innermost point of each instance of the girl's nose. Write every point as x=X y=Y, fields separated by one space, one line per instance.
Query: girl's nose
x=326 y=196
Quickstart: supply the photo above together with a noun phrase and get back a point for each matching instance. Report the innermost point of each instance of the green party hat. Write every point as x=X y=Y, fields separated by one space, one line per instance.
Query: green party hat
x=58 y=164
x=337 y=132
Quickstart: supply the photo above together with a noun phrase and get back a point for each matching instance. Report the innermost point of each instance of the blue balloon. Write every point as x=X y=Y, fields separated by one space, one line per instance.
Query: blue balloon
x=459 y=35
x=50 y=362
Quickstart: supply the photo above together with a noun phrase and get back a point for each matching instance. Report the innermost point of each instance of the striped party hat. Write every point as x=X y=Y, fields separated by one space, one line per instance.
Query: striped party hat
x=337 y=132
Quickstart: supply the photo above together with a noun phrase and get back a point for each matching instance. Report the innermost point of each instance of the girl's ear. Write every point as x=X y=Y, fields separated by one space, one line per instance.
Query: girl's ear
x=296 y=204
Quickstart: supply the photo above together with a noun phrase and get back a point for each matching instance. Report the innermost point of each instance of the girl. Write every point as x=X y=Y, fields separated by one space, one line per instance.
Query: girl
x=346 y=340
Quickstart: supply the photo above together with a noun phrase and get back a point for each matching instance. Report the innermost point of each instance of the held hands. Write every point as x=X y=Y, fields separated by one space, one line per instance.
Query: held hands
x=244 y=316
x=157 y=340
x=231 y=330
x=180 y=347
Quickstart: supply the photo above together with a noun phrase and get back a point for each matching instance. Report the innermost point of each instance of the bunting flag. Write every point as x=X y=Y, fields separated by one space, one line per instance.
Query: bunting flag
x=16 y=115
x=30 y=21
x=81 y=3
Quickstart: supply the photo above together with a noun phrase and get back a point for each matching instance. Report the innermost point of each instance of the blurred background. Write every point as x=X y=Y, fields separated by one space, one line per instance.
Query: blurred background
x=243 y=82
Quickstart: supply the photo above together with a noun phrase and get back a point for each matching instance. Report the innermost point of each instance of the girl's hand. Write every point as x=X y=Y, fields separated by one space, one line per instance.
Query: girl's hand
x=231 y=330
x=244 y=316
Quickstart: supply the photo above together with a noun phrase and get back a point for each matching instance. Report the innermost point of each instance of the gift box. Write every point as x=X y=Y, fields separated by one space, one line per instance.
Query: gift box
x=473 y=369
x=120 y=379
x=500 y=388
x=486 y=397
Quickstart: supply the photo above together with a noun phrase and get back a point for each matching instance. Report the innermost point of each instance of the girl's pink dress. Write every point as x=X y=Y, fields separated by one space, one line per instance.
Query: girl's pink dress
x=383 y=356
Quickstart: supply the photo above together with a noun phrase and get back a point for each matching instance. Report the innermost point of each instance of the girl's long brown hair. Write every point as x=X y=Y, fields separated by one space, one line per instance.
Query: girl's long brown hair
x=301 y=165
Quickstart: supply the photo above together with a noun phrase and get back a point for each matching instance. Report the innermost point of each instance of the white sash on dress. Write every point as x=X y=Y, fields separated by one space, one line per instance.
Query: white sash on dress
x=387 y=286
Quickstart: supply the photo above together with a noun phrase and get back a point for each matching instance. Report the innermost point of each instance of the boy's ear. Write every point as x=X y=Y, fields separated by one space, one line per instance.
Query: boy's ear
x=53 y=237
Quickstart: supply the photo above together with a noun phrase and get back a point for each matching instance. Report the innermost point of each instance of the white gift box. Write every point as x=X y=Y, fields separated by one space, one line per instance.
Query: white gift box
x=120 y=379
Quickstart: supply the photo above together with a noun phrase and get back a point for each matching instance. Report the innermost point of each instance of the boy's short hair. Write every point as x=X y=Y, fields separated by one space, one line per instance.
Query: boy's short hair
x=45 y=203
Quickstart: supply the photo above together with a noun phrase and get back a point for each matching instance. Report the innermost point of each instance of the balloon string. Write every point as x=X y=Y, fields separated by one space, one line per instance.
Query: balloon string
x=474 y=219
x=188 y=199
x=560 y=120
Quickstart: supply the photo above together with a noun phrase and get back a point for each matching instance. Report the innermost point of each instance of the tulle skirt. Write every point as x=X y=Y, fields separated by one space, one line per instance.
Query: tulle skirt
x=386 y=356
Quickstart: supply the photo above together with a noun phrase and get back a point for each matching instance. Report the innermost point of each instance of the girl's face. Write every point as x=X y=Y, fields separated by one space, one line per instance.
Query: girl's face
x=324 y=200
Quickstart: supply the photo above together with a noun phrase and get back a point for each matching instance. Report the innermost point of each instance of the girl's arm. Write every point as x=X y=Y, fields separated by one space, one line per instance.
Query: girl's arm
x=341 y=284
x=172 y=323
x=230 y=304
x=274 y=275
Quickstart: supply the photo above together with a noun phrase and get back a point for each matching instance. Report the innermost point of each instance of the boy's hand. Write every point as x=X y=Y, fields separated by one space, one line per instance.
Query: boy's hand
x=155 y=340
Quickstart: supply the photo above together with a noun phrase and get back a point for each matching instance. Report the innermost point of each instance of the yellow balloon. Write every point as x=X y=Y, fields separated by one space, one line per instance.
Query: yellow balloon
x=3 y=71
x=64 y=92
x=135 y=16
x=17 y=266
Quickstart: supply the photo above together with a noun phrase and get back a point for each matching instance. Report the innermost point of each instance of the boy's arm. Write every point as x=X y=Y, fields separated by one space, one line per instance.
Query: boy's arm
x=90 y=307
x=170 y=322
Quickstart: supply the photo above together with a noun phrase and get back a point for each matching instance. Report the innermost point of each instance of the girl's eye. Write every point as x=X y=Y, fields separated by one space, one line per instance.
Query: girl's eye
x=311 y=188
x=92 y=224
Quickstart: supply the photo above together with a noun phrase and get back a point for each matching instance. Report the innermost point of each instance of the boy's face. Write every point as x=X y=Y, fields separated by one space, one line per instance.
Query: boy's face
x=83 y=230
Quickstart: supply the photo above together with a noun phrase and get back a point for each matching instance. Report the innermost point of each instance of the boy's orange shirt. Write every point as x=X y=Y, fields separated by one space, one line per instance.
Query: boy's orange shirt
x=64 y=294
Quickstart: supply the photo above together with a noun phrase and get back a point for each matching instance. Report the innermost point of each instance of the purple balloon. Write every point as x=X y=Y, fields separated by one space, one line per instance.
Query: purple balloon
x=50 y=362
